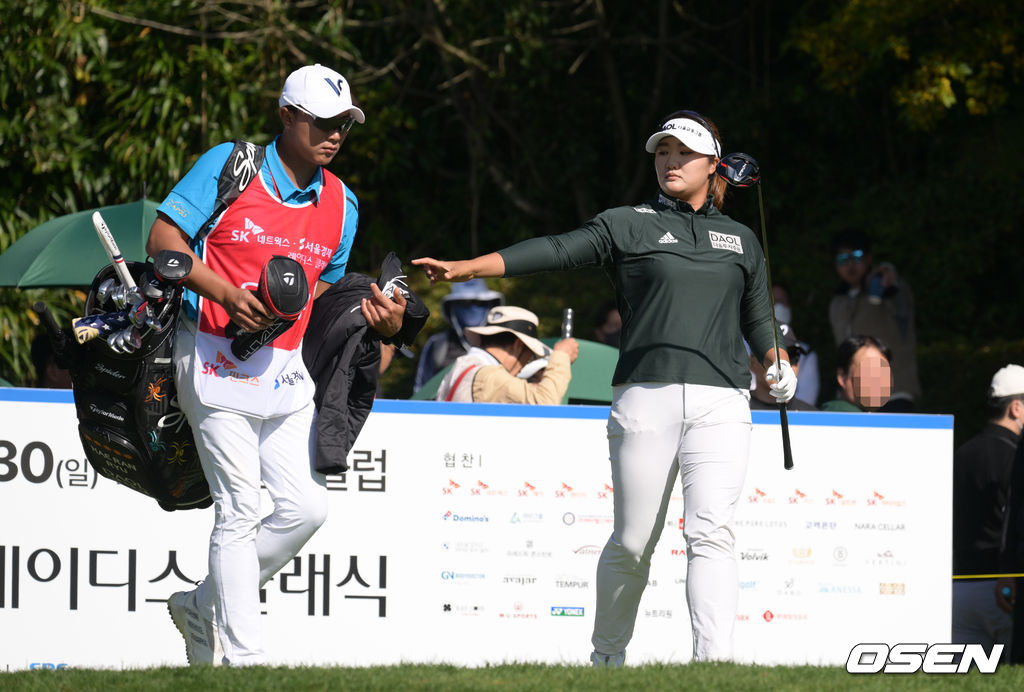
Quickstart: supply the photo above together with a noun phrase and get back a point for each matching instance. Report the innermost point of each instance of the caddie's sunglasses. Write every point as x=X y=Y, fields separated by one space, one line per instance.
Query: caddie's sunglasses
x=845 y=257
x=341 y=123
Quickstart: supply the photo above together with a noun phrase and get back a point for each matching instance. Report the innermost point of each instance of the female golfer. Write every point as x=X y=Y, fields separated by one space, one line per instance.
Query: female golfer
x=690 y=284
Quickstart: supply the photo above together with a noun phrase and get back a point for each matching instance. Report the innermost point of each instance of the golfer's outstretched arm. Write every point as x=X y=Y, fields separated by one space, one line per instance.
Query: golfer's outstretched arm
x=484 y=266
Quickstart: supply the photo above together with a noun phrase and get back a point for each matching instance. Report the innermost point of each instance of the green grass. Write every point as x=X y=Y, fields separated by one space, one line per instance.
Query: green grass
x=696 y=677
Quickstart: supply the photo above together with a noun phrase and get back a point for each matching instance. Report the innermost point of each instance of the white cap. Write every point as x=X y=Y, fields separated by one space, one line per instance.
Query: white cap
x=512 y=319
x=691 y=133
x=320 y=91
x=1009 y=381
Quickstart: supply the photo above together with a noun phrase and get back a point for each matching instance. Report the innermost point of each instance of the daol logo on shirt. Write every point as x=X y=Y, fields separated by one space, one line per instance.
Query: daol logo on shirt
x=723 y=241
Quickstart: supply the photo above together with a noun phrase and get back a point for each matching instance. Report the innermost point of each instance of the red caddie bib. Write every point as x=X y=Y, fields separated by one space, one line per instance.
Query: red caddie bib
x=274 y=380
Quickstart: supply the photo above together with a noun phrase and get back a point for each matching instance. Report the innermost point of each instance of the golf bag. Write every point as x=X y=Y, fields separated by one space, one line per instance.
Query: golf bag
x=131 y=427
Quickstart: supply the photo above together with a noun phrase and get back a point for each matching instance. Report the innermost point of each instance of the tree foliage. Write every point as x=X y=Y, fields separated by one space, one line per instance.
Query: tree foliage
x=488 y=123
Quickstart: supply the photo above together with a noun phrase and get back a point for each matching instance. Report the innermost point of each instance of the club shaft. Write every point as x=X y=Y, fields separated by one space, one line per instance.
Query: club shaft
x=113 y=252
x=787 y=450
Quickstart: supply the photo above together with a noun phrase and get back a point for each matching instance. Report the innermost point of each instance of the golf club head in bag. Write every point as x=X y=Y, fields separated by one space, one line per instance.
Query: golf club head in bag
x=284 y=290
x=129 y=422
x=739 y=170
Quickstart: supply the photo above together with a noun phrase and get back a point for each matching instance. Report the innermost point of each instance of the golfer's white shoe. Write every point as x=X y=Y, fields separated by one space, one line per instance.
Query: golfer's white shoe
x=202 y=641
x=608 y=660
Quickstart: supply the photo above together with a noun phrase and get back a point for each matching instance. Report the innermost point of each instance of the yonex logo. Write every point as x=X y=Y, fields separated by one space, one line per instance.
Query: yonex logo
x=667 y=238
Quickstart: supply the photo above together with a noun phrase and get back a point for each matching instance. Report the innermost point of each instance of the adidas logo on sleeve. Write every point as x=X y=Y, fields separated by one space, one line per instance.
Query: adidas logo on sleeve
x=667 y=238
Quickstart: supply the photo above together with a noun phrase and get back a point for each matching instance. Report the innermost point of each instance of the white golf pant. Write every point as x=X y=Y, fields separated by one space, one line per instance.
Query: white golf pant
x=238 y=453
x=654 y=432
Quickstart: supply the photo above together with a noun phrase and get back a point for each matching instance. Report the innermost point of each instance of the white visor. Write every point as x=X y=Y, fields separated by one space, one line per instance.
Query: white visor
x=691 y=133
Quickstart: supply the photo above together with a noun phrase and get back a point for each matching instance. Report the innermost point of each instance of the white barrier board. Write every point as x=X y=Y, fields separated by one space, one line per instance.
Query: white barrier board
x=469 y=534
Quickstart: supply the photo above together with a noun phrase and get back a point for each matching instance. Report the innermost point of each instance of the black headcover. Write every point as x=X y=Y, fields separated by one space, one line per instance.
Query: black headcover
x=283 y=287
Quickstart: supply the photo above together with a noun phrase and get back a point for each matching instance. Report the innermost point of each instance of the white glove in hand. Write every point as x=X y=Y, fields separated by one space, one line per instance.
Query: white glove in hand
x=783 y=386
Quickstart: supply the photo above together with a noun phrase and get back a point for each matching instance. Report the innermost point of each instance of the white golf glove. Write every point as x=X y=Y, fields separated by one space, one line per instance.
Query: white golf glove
x=783 y=386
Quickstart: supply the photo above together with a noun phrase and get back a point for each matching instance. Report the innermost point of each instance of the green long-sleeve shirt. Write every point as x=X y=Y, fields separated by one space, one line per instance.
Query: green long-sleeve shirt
x=688 y=284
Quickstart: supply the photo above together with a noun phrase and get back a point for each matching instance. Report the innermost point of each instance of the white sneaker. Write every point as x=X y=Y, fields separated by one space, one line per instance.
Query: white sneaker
x=202 y=641
x=608 y=660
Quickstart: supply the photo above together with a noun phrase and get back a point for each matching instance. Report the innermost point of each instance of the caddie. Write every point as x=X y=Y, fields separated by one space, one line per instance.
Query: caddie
x=254 y=420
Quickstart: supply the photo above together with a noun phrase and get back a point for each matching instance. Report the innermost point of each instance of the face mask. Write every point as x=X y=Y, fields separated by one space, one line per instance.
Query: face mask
x=783 y=314
x=470 y=314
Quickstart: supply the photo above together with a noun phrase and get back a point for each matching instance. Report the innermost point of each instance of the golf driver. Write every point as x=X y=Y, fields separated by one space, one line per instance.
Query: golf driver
x=741 y=170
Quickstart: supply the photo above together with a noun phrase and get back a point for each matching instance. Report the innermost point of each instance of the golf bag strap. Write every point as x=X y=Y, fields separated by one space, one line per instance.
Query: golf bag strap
x=241 y=168
x=458 y=381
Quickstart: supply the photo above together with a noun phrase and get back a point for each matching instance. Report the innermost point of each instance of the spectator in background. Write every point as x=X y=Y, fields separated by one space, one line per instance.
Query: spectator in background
x=761 y=398
x=466 y=305
x=982 y=468
x=49 y=375
x=872 y=299
x=809 y=385
x=863 y=373
x=608 y=325
x=508 y=364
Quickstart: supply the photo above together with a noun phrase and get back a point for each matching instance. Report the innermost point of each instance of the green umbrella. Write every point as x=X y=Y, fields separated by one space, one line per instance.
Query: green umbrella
x=65 y=251
x=591 y=381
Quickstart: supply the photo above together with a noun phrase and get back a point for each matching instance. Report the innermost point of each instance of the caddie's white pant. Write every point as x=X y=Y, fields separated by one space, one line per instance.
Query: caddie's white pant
x=654 y=432
x=238 y=453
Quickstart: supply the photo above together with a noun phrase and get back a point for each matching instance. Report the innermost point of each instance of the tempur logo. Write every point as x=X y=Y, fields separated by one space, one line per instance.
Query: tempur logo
x=910 y=658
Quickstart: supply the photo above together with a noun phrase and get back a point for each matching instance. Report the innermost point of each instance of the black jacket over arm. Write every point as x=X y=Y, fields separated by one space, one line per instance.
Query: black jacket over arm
x=342 y=355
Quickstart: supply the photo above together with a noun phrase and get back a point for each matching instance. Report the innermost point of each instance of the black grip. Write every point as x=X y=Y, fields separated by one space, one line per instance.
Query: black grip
x=787 y=450
x=247 y=343
x=62 y=353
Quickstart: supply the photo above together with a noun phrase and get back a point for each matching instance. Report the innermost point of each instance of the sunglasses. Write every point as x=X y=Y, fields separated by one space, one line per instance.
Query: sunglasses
x=845 y=257
x=342 y=123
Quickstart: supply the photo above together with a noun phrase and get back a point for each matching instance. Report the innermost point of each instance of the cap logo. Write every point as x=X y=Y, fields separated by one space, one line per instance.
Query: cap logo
x=337 y=87
x=679 y=126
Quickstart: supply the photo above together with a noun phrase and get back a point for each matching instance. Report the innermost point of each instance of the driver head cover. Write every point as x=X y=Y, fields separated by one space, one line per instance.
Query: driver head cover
x=283 y=287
